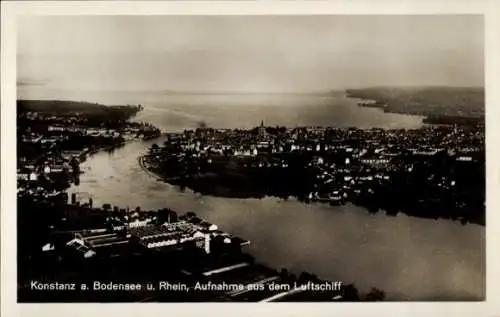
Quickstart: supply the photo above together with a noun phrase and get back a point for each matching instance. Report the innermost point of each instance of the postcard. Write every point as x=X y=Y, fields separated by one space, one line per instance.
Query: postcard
x=173 y=155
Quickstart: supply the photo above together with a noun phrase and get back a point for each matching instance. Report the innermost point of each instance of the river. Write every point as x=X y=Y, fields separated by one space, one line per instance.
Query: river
x=409 y=258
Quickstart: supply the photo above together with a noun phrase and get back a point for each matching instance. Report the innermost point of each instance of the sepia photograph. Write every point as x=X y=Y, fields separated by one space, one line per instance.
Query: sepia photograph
x=250 y=158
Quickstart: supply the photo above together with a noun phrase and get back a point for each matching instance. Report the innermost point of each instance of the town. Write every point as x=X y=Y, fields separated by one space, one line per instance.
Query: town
x=53 y=137
x=432 y=172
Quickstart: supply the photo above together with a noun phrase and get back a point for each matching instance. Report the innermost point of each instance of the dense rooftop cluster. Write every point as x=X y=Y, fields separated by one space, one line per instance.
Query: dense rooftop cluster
x=51 y=142
x=436 y=171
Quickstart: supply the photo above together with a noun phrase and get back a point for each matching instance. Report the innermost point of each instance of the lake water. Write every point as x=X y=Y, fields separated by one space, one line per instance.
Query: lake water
x=409 y=258
x=177 y=111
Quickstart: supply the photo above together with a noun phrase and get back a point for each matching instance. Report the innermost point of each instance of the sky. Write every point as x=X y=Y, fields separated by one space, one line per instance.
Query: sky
x=249 y=53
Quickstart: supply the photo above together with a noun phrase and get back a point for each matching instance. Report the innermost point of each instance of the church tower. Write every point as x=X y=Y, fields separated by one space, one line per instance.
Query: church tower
x=262 y=129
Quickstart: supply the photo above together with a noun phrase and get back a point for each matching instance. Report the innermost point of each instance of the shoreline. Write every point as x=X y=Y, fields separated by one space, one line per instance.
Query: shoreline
x=427 y=118
x=140 y=160
x=385 y=108
x=168 y=181
x=312 y=201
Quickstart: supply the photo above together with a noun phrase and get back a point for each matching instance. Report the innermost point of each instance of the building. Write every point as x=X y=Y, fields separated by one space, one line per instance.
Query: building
x=166 y=216
x=167 y=235
x=262 y=129
x=78 y=244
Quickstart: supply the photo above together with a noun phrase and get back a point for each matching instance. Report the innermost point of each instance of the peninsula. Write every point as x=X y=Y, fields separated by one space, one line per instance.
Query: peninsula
x=438 y=105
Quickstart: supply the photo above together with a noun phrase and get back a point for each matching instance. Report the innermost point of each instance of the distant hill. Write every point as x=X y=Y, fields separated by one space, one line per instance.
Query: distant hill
x=440 y=101
x=62 y=107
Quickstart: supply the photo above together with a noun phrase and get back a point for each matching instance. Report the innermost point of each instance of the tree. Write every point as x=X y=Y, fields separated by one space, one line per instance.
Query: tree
x=375 y=295
x=284 y=273
x=350 y=293
x=305 y=277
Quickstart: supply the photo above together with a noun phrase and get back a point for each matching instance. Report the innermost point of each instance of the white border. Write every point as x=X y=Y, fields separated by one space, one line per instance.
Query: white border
x=8 y=206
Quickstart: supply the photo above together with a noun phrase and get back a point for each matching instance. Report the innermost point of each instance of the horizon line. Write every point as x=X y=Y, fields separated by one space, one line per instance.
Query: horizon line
x=221 y=92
